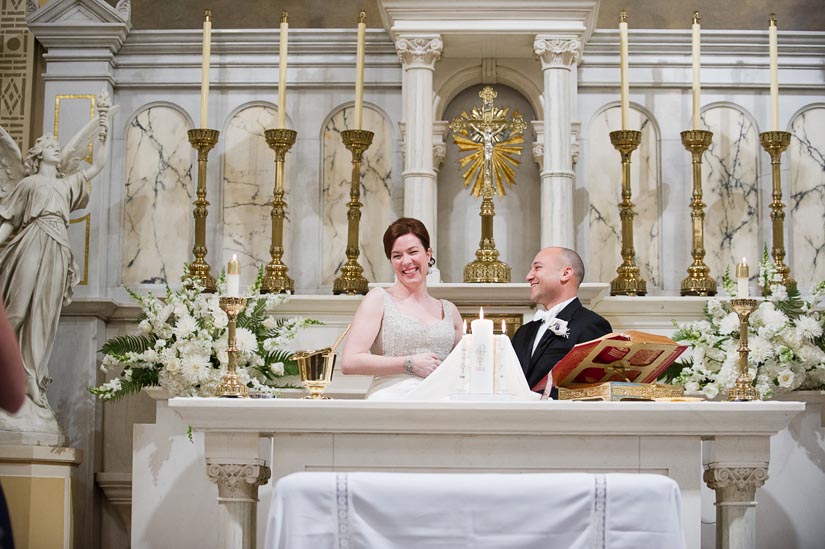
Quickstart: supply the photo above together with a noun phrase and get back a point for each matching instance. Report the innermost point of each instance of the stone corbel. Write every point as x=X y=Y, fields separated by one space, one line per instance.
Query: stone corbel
x=557 y=52
x=538 y=143
x=237 y=481
x=419 y=51
x=440 y=130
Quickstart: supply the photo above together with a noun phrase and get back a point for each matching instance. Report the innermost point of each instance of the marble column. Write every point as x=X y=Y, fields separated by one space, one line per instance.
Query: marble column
x=558 y=61
x=418 y=54
x=234 y=466
x=734 y=473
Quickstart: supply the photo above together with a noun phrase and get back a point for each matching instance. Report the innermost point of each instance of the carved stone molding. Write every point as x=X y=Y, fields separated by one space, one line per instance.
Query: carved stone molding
x=237 y=482
x=735 y=484
x=418 y=51
x=557 y=52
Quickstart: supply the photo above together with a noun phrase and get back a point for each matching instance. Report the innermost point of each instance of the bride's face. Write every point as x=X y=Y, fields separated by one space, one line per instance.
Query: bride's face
x=410 y=261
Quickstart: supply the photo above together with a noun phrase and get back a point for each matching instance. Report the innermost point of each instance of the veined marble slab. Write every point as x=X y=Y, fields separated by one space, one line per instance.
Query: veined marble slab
x=376 y=212
x=730 y=185
x=157 y=198
x=248 y=186
x=806 y=204
x=604 y=186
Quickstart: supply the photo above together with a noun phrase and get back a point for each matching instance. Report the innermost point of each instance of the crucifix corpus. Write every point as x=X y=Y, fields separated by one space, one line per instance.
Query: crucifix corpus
x=493 y=144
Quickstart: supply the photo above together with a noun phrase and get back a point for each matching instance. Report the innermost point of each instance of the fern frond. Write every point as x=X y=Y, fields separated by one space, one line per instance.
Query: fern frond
x=120 y=345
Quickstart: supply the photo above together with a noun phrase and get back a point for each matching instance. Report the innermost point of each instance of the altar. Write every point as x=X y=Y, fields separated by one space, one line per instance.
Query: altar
x=248 y=441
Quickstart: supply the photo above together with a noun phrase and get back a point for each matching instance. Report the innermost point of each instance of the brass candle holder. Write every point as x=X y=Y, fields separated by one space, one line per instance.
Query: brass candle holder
x=628 y=281
x=776 y=143
x=743 y=390
x=202 y=140
x=698 y=281
x=230 y=386
x=487 y=267
x=276 y=279
x=352 y=281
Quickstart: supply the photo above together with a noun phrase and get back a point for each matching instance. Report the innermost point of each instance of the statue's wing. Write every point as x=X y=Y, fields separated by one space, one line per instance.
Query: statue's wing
x=78 y=148
x=11 y=163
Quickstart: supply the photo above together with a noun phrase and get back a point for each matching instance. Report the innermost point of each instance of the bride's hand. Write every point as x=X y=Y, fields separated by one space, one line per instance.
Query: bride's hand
x=424 y=364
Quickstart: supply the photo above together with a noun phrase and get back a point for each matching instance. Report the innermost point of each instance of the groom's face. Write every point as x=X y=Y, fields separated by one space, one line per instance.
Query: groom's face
x=545 y=278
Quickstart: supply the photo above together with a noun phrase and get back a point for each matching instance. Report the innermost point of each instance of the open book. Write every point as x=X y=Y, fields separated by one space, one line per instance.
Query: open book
x=638 y=357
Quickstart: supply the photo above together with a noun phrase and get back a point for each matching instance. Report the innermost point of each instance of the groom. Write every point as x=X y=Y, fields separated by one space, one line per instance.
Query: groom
x=554 y=277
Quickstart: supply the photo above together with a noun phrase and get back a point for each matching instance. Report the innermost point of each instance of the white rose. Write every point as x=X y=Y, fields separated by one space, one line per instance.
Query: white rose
x=220 y=319
x=270 y=323
x=711 y=390
x=785 y=379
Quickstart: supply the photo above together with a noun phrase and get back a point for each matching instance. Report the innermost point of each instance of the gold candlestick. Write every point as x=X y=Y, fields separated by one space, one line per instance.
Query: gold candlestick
x=276 y=279
x=629 y=281
x=230 y=386
x=202 y=140
x=744 y=389
x=698 y=281
x=352 y=281
x=776 y=143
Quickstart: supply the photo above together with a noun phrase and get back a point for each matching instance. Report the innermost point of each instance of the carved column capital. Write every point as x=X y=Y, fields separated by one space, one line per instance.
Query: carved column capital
x=419 y=51
x=237 y=482
x=735 y=484
x=557 y=52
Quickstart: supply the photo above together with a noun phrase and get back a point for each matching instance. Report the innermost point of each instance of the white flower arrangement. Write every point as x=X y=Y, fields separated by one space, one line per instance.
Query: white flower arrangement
x=182 y=346
x=785 y=339
x=559 y=327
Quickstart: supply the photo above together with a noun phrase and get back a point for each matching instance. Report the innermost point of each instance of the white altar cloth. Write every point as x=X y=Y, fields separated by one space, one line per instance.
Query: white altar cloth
x=400 y=510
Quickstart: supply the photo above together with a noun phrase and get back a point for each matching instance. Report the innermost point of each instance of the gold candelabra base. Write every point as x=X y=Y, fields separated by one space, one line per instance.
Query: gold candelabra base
x=698 y=281
x=743 y=390
x=276 y=279
x=776 y=143
x=203 y=140
x=629 y=280
x=231 y=386
x=351 y=281
x=487 y=268
x=316 y=371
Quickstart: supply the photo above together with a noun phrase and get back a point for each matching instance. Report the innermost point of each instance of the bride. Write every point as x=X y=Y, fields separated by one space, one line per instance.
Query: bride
x=402 y=334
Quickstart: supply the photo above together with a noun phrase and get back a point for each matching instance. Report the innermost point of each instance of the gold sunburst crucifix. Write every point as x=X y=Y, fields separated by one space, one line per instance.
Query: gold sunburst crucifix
x=493 y=143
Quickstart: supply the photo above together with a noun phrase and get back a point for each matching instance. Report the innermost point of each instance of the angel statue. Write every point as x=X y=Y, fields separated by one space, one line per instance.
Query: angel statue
x=37 y=269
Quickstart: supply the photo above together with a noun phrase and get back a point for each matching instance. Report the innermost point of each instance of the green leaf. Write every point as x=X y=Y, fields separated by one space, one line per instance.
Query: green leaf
x=120 y=345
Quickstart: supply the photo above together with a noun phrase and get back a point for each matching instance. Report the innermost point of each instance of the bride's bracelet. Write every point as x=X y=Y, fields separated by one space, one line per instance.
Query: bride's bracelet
x=408 y=366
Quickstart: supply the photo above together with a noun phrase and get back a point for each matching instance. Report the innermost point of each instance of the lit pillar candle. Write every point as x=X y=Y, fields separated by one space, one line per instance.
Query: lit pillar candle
x=205 y=50
x=482 y=369
x=282 y=43
x=359 y=68
x=774 y=54
x=742 y=275
x=696 y=64
x=623 y=57
x=233 y=277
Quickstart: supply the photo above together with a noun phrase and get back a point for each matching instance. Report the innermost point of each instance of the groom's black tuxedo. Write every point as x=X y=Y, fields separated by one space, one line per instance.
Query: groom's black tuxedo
x=583 y=324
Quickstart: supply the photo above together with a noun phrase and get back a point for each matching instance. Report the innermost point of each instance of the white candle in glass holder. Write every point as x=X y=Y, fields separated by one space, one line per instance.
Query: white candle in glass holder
x=742 y=275
x=233 y=277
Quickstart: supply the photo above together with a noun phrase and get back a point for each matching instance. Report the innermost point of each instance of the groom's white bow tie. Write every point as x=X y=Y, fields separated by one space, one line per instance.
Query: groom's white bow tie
x=543 y=316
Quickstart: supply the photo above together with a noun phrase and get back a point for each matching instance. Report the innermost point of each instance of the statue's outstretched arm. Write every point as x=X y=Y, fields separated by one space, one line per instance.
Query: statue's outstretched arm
x=101 y=156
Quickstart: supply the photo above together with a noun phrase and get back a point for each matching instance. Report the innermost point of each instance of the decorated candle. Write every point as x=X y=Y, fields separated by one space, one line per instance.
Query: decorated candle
x=742 y=275
x=233 y=277
x=482 y=355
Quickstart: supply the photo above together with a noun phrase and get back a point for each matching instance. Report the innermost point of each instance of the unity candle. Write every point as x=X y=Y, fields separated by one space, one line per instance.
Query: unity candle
x=205 y=50
x=283 y=41
x=742 y=275
x=696 y=87
x=482 y=355
x=359 y=68
x=623 y=64
x=773 y=50
x=233 y=277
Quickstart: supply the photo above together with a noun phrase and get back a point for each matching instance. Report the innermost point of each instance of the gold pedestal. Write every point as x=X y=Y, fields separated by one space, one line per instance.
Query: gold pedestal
x=776 y=143
x=352 y=281
x=316 y=371
x=628 y=281
x=698 y=281
x=276 y=279
x=202 y=140
x=487 y=267
x=744 y=389
x=231 y=386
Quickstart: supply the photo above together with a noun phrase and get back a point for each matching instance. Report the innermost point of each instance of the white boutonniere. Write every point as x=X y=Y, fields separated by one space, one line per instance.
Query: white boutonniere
x=559 y=327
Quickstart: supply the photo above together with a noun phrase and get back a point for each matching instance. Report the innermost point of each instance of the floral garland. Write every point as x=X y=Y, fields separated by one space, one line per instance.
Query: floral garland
x=183 y=341
x=785 y=338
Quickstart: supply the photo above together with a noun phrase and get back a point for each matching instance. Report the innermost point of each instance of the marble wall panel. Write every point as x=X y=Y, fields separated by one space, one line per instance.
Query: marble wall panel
x=806 y=206
x=730 y=184
x=248 y=184
x=603 y=183
x=157 y=216
x=376 y=213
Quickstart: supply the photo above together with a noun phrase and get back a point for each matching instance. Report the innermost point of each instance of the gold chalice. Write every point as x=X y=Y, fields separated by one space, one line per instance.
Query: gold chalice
x=316 y=370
